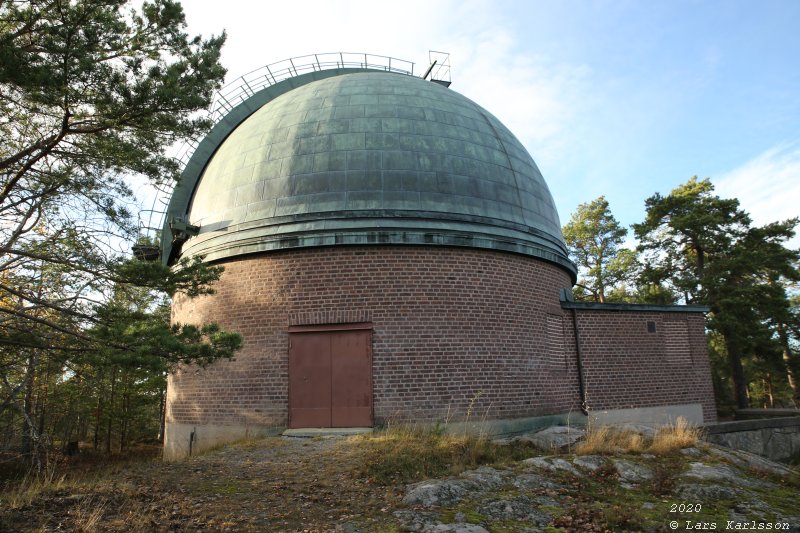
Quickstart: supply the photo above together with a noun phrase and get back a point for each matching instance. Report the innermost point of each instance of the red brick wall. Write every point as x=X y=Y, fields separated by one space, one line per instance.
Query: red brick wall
x=626 y=367
x=452 y=328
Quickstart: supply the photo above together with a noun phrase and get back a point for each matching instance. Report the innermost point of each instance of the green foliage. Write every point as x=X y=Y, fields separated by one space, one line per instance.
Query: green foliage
x=697 y=248
x=92 y=94
x=705 y=249
x=594 y=239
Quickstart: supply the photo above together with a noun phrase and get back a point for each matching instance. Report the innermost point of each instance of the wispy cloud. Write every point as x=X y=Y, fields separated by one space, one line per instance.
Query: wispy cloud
x=541 y=100
x=538 y=99
x=767 y=186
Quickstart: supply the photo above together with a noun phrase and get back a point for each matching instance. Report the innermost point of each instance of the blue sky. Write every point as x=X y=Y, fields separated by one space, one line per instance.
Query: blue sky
x=622 y=99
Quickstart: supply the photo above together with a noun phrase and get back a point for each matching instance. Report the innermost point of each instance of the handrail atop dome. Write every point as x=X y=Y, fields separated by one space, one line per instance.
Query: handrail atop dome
x=247 y=85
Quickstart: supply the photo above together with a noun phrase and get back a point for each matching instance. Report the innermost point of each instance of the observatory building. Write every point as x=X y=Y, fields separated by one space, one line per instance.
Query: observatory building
x=393 y=254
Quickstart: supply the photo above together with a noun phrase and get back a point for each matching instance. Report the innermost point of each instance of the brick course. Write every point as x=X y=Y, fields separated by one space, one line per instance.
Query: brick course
x=455 y=330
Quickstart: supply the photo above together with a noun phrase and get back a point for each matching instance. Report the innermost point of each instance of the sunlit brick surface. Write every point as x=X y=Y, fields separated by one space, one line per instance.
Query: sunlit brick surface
x=455 y=331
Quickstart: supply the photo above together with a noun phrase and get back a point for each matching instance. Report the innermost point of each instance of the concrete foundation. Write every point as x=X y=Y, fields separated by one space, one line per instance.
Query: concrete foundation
x=651 y=416
x=183 y=440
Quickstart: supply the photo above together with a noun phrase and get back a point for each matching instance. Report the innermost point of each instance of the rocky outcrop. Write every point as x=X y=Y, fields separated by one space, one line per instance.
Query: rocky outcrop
x=648 y=492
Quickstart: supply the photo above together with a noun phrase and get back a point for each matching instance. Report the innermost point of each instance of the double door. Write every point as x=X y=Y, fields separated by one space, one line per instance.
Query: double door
x=330 y=377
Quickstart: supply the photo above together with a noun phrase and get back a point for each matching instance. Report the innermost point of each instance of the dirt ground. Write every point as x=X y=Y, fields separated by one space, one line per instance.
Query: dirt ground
x=353 y=485
x=275 y=484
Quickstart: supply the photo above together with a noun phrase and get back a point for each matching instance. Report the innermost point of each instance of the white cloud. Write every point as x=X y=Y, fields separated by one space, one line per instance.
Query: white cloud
x=767 y=186
x=536 y=98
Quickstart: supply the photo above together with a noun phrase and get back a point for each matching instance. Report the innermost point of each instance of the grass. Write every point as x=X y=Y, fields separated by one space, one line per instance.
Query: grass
x=29 y=488
x=674 y=437
x=278 y=484
x=21 y=487
x=406 y=454
x=607 y=440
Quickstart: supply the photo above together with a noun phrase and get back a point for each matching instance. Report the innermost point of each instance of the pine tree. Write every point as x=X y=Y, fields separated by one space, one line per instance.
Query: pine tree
x=92 y=94
x=705 y=249
x=594 y=239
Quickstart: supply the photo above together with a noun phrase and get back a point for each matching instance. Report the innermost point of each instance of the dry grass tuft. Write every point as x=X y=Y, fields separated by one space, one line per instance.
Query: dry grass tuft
x=89 y=515
x=674 y=437
x=609 y=440
x=30 y=487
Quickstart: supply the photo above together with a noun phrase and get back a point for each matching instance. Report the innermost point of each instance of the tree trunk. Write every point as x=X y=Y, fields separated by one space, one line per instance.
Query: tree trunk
x=162 y=408
x=28 y=431
x=768 y=388
x=788 y=361
x=126 y=407
x=737 y=372
x=111 y=411
x=42 y=403
x=97 y=416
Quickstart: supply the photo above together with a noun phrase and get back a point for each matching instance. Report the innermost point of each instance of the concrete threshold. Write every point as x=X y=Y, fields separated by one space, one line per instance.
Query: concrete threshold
x=324 y=432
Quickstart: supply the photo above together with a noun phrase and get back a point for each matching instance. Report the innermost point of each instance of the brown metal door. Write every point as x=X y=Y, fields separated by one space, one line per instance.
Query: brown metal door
x=310 y=380
x=330 y=378
x=351 y=377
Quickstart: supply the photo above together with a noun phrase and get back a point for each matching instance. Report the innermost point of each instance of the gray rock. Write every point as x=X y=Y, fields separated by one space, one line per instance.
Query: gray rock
x=691 y=452
x=557 y=437
x=506 y=509
x=417 y=520
x=552 y=463
x=454 y=528
x=435 y=492
x=630 y=472
x=726 y=455
x=589 y=462
x=487 y=477
x=753 y=509
x=542 y=501
x=529 y=481
x=694 y=492
x=706 y=472
x=745 y=459
x=518 y=508
x=721 y=473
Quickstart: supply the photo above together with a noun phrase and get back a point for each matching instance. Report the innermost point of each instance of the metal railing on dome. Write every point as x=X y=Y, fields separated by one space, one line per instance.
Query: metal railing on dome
x=247 y=85
x=240 y=89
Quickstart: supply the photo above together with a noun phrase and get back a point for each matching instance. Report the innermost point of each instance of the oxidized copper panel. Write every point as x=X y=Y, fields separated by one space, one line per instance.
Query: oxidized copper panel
x=309 y=380
x=351 y=376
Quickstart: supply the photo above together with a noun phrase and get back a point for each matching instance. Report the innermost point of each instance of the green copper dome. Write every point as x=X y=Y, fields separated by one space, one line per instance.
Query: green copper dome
x=364 y=157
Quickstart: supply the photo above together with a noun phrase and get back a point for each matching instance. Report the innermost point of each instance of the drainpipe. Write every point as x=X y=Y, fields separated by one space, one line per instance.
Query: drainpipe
x=579 y=361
